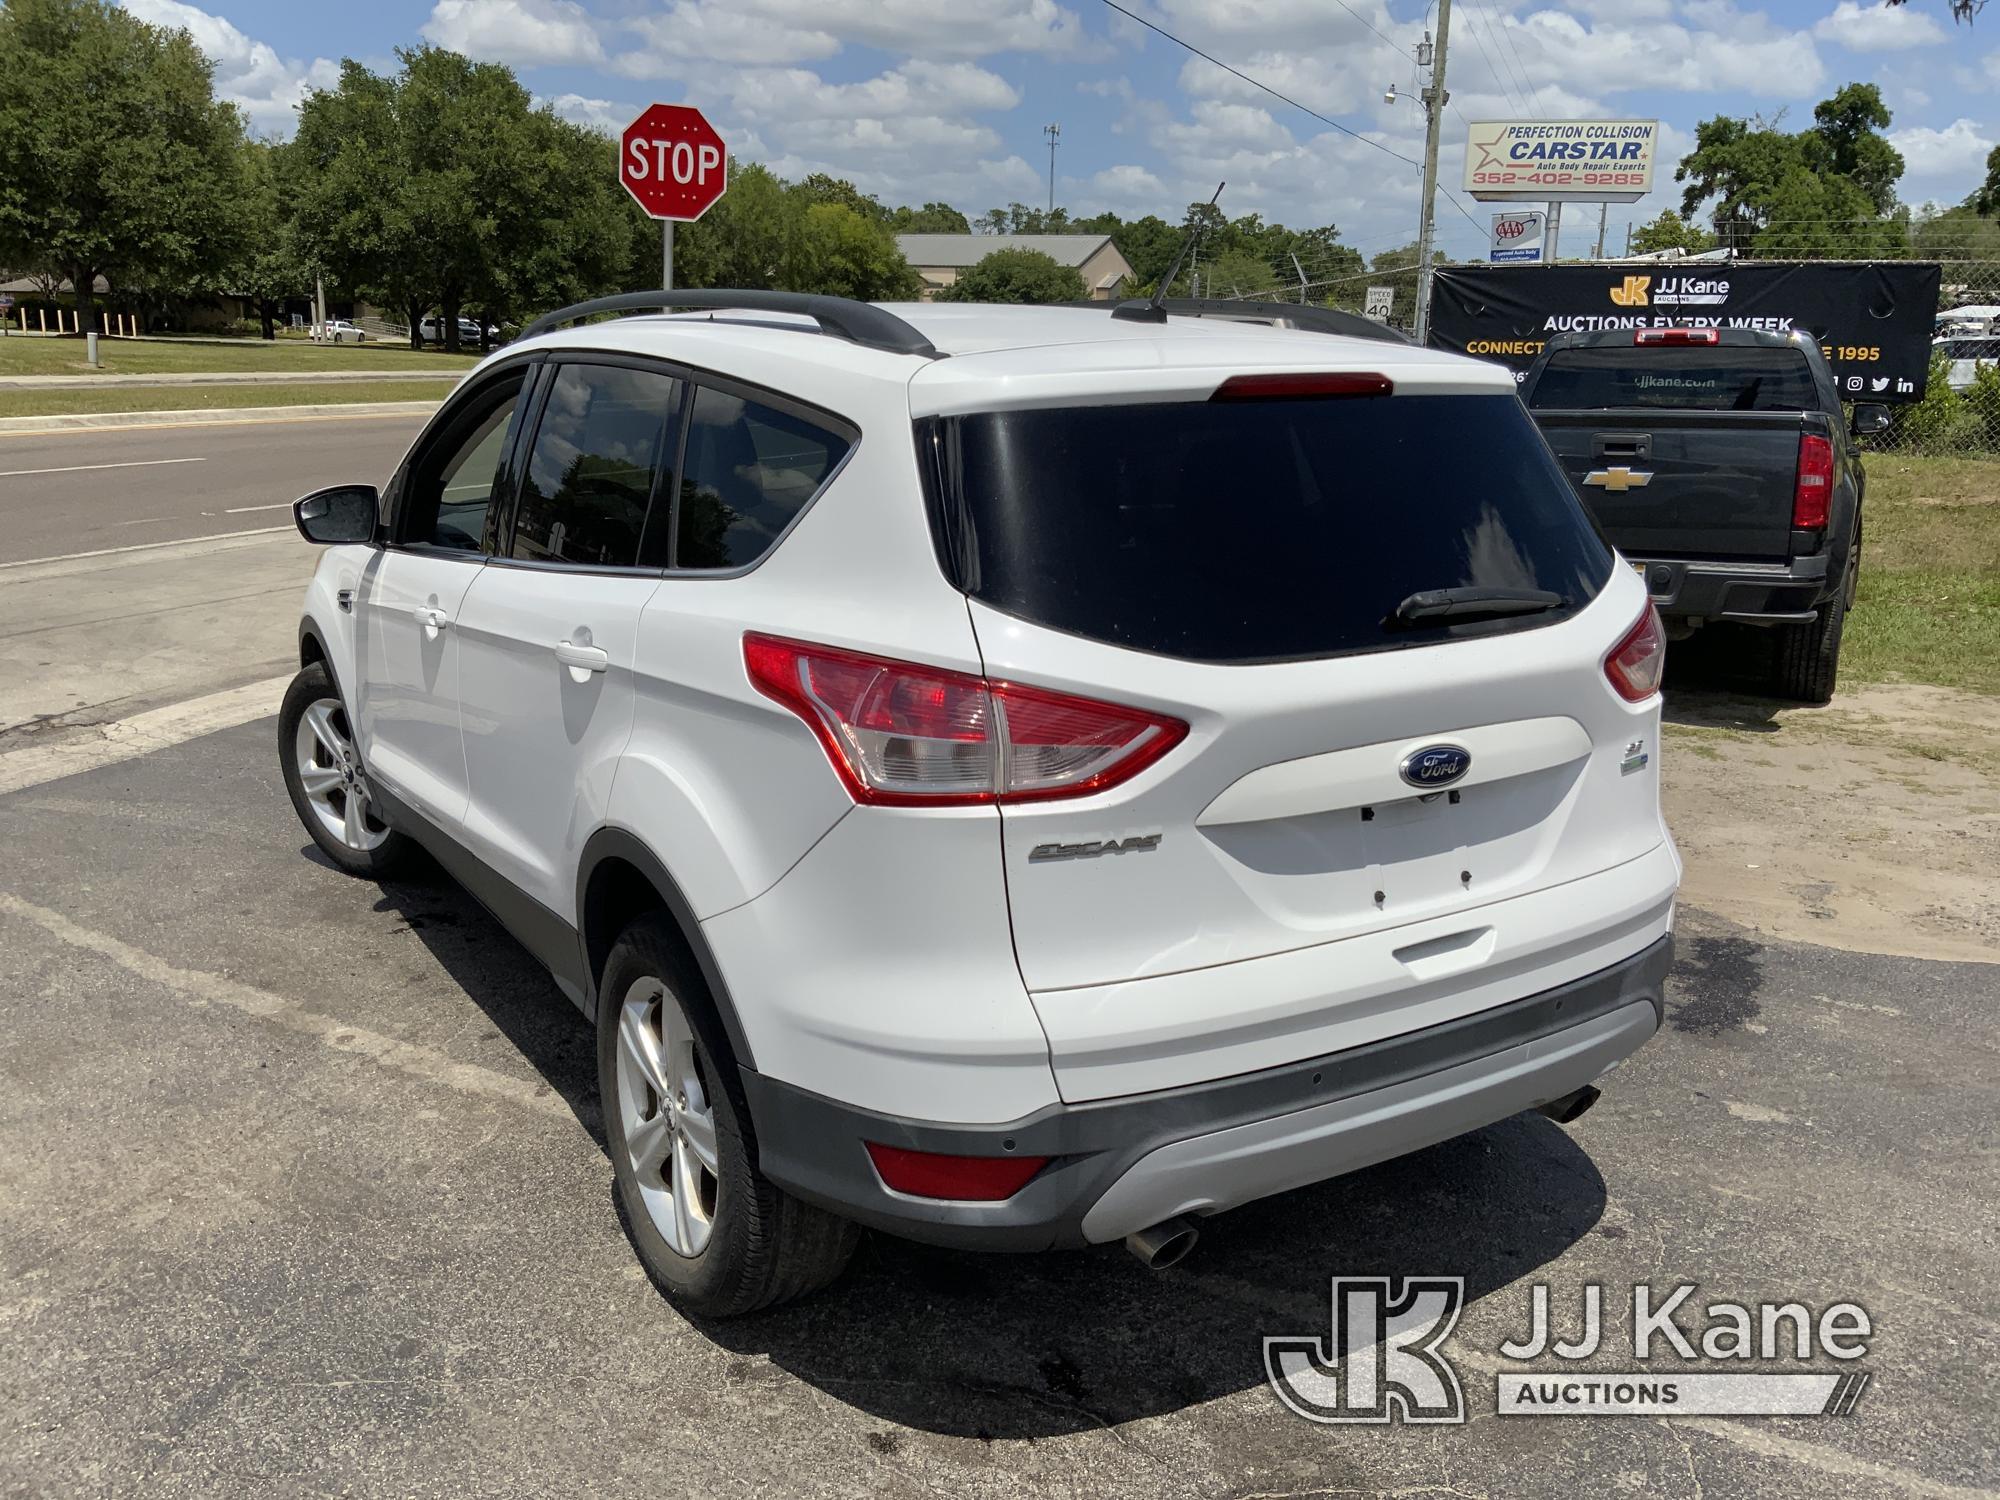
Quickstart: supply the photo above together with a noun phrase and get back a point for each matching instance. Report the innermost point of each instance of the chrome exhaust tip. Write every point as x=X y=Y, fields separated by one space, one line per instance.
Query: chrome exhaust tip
x=1163 y=1244
x=1571 y=1107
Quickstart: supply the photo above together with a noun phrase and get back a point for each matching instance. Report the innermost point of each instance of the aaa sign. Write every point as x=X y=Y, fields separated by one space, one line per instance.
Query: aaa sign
x=673 y=162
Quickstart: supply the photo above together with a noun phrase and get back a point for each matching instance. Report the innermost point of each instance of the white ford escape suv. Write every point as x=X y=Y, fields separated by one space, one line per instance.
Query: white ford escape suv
x=1012 y=777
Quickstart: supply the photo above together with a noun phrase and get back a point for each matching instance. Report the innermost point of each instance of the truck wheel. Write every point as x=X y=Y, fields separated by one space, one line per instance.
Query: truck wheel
x=711 y=1230
x=1809 y=655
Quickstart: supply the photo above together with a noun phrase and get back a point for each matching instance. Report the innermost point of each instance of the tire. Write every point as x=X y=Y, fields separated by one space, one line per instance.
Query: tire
x=738 y=1242
x=314 y=736
x=1808 y=656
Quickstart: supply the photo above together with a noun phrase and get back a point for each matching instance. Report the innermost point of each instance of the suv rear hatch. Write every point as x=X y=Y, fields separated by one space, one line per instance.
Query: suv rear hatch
x=1681 y=451
x=1239 y=565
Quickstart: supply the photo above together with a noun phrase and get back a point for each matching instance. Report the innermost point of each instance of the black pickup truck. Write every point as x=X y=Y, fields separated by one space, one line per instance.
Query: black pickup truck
x=1720 y=465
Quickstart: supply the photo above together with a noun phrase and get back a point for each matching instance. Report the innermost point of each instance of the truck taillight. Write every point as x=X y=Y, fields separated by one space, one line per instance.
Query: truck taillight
x=1636 y=664
x=1814 y=489
x=902 y=734
x=1676 y=336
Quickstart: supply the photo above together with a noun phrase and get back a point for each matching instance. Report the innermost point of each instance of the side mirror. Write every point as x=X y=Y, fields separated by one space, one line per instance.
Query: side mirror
x=343 y=513
x=1870 y=419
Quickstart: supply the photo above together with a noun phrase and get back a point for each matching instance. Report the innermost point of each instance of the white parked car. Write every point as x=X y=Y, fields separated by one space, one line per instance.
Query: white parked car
x=1966 y=356
x=338 y=331
x=1012 y=777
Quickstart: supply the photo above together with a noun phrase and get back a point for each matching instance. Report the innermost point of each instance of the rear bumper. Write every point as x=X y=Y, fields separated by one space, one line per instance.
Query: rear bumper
x=1780 y=593
x=1122 y=1164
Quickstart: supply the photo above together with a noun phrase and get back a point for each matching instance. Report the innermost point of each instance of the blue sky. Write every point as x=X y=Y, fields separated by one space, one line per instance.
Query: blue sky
x=946 y=99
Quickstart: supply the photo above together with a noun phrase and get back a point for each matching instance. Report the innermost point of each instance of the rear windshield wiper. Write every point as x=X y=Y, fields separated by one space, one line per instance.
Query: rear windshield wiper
x=1473 y=604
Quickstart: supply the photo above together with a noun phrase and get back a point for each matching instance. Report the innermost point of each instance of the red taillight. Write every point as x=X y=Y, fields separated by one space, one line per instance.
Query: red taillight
x=1635 y=664
x=898 y=733
x=1814 y=489
x=1293 y=386
x=1676 y=336
x=969 y=1179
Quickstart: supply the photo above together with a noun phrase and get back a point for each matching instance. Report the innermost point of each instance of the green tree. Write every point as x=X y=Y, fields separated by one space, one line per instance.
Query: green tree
x=1016 y=276
x=1826 y=190
x=1236 y=273
x=932 y=218
x=837 y=251
x=820 y=187
x=444 y=186
x=1669 y=231
x=1986 y=200
x=741 y=242
x=265 y=264
x=115 y=157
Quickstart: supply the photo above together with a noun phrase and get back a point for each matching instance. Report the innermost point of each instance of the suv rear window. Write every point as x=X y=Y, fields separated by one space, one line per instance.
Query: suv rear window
x=1258 y=530
x=1699 y=379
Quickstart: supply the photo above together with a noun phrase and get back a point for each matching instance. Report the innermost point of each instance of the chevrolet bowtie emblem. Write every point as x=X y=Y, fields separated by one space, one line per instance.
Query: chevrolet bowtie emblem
x=1619 y=479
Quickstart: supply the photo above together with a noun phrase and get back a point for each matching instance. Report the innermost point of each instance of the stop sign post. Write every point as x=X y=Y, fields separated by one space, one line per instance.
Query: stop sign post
x=675 y=166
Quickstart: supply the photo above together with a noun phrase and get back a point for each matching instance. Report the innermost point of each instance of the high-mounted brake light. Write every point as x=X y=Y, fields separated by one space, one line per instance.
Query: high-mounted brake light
x=968 y=1179
x=1637 y=662
x=1676 y=336
x=1813 y=490
x=1281 y=385
x=902 y=734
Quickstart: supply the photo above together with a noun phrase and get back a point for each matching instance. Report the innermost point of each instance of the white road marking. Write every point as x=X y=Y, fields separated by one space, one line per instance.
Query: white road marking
x=216 y=536
x=198 y=987
x=156 y=729
x=136 y=463
x=246 y=509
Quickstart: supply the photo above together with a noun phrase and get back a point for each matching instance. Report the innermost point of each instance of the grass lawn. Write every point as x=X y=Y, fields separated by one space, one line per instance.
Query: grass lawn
x=1929 y=609
x=41 y=403
x=32 y=356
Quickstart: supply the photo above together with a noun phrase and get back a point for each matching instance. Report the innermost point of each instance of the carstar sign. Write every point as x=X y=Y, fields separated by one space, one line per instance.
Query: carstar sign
x=672 y=161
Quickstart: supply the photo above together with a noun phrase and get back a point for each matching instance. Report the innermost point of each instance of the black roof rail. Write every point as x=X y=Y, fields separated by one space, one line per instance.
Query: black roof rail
x=860 y=323
x=1279 y=314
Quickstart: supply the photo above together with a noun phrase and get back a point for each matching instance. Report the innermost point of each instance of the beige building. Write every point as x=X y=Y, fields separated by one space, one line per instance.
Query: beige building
x=939 y=258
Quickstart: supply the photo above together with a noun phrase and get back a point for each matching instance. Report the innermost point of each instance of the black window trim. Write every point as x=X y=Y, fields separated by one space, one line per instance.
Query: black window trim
x=691 y=377
x=441 y=428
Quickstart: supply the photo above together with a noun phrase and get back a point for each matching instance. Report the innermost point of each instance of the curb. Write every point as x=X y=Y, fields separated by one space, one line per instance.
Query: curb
x=101 y=420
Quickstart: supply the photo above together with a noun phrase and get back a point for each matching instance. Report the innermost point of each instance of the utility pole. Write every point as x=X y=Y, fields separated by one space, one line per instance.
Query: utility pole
x=1435 y=98
x=1603 y=213
x=1054 y=133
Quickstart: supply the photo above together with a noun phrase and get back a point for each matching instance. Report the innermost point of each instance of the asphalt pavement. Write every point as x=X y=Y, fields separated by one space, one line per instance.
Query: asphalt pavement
x=302 y=1184
x=76 y=491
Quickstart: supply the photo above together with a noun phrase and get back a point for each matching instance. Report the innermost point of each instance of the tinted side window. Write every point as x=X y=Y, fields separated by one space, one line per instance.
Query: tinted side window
x=451 y=485
x=605 y=435
x=749 y=469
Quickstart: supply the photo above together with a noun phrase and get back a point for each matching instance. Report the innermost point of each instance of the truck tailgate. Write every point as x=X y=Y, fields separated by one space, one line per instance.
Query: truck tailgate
x=1683 y=484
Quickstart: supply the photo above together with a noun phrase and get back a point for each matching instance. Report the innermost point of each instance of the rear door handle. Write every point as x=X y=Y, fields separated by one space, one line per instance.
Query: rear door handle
x=431 y=618
x=582 y=658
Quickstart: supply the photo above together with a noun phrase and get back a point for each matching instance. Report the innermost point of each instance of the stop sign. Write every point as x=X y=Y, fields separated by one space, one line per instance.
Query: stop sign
x=673 y=162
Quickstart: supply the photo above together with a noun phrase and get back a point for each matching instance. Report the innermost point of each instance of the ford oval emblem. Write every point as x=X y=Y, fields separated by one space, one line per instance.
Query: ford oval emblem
x=1436 y=765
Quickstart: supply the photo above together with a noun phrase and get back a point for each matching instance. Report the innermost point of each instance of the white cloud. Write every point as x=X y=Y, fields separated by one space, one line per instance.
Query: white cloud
x=717 y=30
x=928 y=28
x=527 y=33
x=1954 y=157
x=1876 y=27
x=915 y=88
x=249 y=74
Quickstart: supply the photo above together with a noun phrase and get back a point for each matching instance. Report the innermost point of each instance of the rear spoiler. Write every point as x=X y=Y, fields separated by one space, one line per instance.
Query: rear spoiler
x=1276 y=315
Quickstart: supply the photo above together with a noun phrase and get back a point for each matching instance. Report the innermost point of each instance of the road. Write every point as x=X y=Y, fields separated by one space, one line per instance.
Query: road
x=302 y=1184
x=87 y=489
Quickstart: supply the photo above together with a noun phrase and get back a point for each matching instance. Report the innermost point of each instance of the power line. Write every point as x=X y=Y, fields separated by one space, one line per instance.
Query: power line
x=1503 y=81
x=1507 y=36
x=1256 y=84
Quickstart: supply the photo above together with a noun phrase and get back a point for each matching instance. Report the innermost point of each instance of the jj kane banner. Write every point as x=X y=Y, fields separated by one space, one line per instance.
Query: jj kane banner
x=1872 y=319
